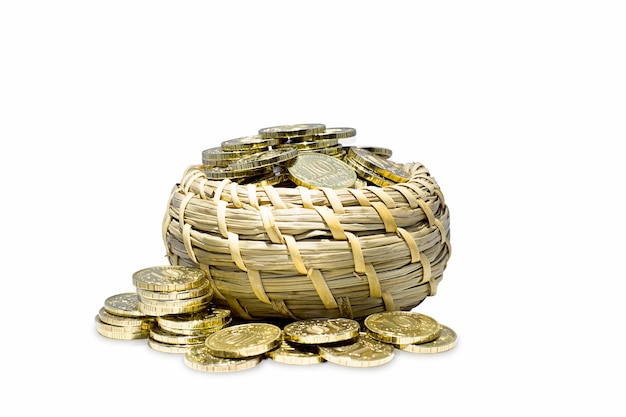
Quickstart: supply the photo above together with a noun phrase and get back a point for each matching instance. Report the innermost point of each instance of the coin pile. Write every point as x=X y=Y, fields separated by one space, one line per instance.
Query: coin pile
x=308 y=155
x=209 y=341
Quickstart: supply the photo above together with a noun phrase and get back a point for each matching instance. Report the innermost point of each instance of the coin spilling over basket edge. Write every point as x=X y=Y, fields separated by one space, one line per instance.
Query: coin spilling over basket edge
x=291 y=245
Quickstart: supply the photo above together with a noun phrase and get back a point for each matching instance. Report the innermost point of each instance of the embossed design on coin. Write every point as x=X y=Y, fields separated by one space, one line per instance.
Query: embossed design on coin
x=446 y=341
x=365 y=352
x=402 y=327
x=124 y=304
x=316 y=170
x=201 y=359
x=169 y=278
x=320 y=331
x=244 y=340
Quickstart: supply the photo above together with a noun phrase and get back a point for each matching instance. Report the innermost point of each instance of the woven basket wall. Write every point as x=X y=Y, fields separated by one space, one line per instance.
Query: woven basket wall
x=294 y=252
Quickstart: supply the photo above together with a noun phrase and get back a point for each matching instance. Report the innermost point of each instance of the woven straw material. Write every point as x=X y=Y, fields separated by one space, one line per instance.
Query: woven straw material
x=298 y=253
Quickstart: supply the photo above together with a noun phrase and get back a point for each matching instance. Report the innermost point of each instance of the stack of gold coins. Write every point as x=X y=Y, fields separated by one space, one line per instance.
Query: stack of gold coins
x=176 y=333
x=172 y=289
x=376 y=169
x=120 y=318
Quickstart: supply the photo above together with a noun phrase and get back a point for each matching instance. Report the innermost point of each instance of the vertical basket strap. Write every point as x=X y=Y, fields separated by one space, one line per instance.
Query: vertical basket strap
x=201 y=184
x=425 y=183
x=433 y=287
x=294 y=252
x=270 y=225
x=305 y=195
x=388 y=301
x=382 y=196
x=252 y=197
x=275 y=199
x=434 y=221
x=411 y=243
x=186 y=182
x=221 y=218
x=257 y=286
x=408 y=196
x=187 y=242
x=181 y=210
x=332 y=222
x=235 y=252
x=217 y=195
x=426 y=269
x=385 y=215
x=439 y=195
x=234 y=195
x=373 y=281
x=357 y=253
x=319 y=283
x=360 y=197
x=333 y=199
x=239 y=310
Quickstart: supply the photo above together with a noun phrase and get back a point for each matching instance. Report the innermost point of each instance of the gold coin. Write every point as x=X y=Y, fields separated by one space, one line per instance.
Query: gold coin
x=113 y=319
x=111 y=328
x=187 y=302
x=321 y=331
x=169 y=278
x=200 y=358
x=249 y=142
x=384 y=153
x=244 y=340
x=402 y=327
x=446 y=341
x=218 y=157
x=264 y=158
x=316 y=170
x=166 y=308
x=204 y=319
x=383 y=167
x=203 y=289
x=124 y=304
x=336 y=133
x=191 y=332
x=168 y=347
x=365 y=352
x=366 y=173
x=164 y=336
x=330 y=150
x=312 y=145
x=227 y=172
x=289 y=354
x=283 y=131
x=123 y=336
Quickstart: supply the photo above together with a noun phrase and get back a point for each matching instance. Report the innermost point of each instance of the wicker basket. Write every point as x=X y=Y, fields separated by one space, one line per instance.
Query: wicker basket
x=298 y=253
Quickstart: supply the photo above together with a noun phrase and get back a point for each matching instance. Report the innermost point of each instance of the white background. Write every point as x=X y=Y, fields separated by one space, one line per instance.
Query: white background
x=516 y=108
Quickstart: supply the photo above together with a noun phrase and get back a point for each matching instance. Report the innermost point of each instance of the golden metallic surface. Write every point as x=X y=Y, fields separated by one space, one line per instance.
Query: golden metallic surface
x=321 y=331
x=168 y=347
x=366 y=173
x=244 y=340
x=365 y=352
x=227 y=172
x=200 y=358
x=164 y=336
x=110 y=328
x=330 y=150
x=336 y=133
x=165 y=309
x=249 y=142
x=123 y=336
x=264 y=158
x=316 y=170
x=200 y=331
x=187 y=302
x=115 y=320
x=383 y=167
x=291 y=355
x=283 y=131
x=384 y=153
x=124 y=304
x=402 y=327
x=200 y=291
x=446 y=341
x=204 y=319
x=218 y=157
x=312 y=145
x=169 y=278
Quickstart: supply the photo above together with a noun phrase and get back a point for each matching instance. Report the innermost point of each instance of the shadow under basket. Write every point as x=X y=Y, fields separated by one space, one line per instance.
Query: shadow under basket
x=299 y=253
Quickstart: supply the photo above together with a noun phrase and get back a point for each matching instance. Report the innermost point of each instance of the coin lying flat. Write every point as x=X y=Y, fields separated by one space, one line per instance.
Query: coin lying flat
x=124 y=304
x=367 y=174
x=264 y=158
x=303 y=129
x=402 y=327
x=200 y=358
x=321 y=331
x=144 y=322
x=244 y=340
x=203 y=289
x=204 y=319
x=365 y=352
x=446 y=341
x=164 y=336
x=336 y=133
x=120 y=332
x=289 y=354
x=316 y=170
x=169 y=278
x=249 y=142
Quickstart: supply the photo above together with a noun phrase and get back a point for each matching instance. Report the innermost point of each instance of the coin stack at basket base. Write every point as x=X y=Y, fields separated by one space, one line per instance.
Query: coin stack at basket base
x=210 y=341
x=289 y=223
